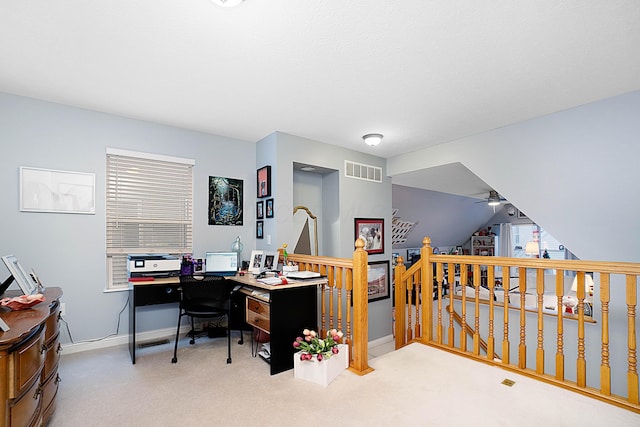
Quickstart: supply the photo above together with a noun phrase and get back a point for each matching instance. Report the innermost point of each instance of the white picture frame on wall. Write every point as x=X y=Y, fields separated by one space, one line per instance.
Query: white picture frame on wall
x=57 y=191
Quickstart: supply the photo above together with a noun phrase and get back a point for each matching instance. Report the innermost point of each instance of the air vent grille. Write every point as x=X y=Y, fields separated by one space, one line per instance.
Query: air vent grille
x=362 y=171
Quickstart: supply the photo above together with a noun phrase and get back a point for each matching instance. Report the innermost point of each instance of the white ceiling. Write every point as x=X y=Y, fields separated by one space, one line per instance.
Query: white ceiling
x=420 y=72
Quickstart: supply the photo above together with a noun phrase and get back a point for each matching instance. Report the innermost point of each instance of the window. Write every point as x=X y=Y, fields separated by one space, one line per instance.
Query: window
x=149 y=205
x=523 y=233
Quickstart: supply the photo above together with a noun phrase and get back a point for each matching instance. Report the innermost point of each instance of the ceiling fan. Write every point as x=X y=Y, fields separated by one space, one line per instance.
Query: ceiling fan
x=494 y=199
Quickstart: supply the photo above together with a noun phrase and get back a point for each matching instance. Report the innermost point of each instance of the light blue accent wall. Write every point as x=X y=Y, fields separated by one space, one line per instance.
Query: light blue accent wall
x=343 y=200
x=68 y=250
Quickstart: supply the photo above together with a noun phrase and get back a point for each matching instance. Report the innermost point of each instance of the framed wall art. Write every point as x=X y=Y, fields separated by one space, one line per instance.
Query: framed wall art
x=372 y=232
x=56 y=191
x=378 y=280
x=264 y=181
x=225 y=201
x=259 y=229
x=269 y=208
x=260 y=209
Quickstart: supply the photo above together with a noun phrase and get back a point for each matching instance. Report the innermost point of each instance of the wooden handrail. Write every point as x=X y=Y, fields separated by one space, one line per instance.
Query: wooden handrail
x=442 y=325
x=343 y=300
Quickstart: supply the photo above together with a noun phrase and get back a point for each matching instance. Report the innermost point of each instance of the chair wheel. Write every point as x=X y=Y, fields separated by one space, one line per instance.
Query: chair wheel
x=228 y=360
x=192 y=342
x=241 y=342
x=174 y=360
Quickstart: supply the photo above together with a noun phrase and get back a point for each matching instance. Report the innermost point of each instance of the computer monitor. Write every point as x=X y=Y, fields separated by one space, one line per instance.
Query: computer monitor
x=221 y=263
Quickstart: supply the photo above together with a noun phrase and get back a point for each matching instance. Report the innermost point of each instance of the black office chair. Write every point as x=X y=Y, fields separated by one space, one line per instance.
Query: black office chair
x=204 y=297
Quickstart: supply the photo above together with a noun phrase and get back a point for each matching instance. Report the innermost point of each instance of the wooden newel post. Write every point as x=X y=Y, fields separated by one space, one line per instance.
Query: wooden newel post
x=360 y=311
x=427 y=289
x=400 y=299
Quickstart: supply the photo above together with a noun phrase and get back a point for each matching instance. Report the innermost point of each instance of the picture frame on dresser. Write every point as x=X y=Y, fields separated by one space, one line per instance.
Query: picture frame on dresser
x=27 y=284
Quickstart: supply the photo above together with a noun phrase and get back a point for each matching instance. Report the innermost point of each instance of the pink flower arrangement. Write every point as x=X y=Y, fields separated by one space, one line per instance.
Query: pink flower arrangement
x=311 y=345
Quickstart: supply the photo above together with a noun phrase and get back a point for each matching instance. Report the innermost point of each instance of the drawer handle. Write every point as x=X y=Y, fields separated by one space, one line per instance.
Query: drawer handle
x=59 y=317
x=59 y=349
x=58 y=379
x=37 y=393
x=43 y=349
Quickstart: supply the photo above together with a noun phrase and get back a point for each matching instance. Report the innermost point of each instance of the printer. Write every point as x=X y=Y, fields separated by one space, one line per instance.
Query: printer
x=153 y=265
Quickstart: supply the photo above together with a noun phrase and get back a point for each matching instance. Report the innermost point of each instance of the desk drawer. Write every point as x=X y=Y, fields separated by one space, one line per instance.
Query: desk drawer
x=258 y=314
x=258 y=307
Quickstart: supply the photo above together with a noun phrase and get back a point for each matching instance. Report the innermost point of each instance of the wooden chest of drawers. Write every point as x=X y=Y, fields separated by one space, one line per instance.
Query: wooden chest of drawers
x=29 y=356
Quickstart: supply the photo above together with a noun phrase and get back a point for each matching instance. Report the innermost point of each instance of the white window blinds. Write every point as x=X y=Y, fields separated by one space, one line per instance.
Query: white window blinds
x=149 y=209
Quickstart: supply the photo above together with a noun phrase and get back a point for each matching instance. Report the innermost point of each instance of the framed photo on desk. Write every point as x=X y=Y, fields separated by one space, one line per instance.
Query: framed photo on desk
x=256 y=262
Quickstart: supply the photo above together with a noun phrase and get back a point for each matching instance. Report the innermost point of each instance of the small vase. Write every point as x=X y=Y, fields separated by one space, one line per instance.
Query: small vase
x=322 y=372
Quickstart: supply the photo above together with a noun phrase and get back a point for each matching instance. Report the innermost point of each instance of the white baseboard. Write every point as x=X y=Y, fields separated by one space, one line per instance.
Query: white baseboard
x=381 y=341
x=141 y=337
x=169 y=333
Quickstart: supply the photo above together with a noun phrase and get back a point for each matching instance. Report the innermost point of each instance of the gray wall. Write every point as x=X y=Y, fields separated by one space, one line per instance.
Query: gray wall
x=355 y=198
x=68 y=250
x=582 y=173
x=449 y=220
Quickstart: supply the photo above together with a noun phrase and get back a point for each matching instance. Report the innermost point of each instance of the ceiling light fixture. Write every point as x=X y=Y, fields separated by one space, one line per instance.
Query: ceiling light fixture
x=372 y=139
x=227 y=3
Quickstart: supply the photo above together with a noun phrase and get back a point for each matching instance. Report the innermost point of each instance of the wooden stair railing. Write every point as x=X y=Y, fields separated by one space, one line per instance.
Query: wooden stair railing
x=471 y=332
x=344 y=300
x=572 y=343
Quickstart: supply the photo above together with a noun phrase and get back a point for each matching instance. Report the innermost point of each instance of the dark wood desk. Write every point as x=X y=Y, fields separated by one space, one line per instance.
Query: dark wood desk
x=293 y=307
x=160 y=291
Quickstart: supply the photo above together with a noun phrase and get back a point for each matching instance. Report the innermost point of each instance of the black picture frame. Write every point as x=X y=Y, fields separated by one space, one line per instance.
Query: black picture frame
x=372 y=231
x=260 y=209
x=259 y=229
x=378 y=281
x=269 y=208
x=225 y=201
x=263 y=182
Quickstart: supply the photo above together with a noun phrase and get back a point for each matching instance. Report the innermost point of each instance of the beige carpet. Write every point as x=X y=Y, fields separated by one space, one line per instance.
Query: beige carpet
x=414 y=386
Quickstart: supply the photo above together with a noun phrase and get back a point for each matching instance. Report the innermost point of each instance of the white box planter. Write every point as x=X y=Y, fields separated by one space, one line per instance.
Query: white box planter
x=321 y=372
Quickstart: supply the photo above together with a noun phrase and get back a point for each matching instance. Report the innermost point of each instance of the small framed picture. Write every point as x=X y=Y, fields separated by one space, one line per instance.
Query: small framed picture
x=371 y=230
x=256 y=262
x=260 y=209
x=394 y=258
x=264 y=181
x=460 y=250
x=271 y=260
x=269 y=208
x=378 y=280
x=259 y=229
